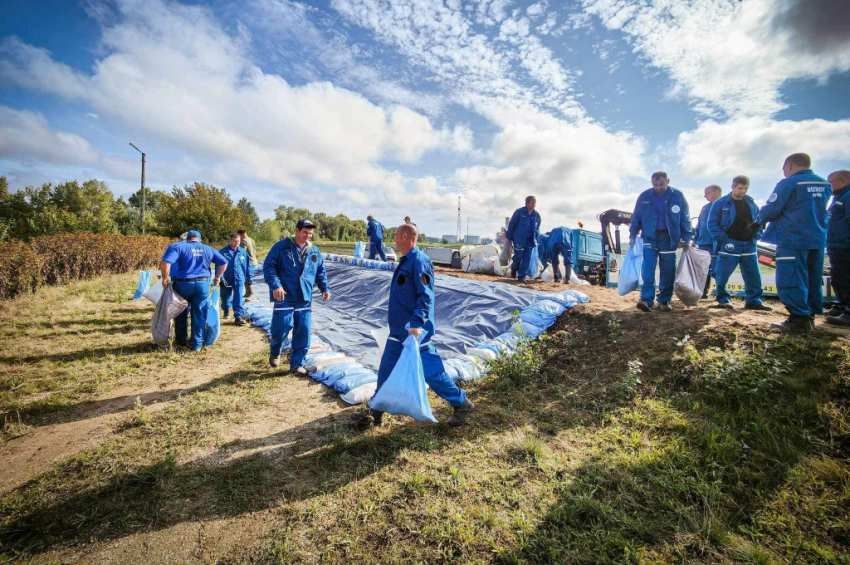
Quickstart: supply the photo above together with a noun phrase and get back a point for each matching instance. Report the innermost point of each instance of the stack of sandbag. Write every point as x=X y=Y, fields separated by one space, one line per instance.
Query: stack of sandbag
x=481 y=259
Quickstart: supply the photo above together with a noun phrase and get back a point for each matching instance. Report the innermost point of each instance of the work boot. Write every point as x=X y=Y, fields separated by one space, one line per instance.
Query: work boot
x=274 y=362
x=225 y=314
x=366 y=420
x=836 y=310
x=664 y=307
x=644 y=306
x=796 y=325
x=458 y=418
x=842 y=320
x=723 y=306
x=758 y=306
x=239 y=321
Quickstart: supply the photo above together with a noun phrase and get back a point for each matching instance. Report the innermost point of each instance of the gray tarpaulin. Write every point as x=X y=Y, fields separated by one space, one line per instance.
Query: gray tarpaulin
x=468 y=311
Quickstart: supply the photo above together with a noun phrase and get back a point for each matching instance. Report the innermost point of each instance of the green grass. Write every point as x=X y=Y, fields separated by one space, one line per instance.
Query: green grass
x=717 y=446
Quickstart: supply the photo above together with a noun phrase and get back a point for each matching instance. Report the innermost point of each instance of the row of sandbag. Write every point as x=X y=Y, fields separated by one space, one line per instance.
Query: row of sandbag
x=361 y=262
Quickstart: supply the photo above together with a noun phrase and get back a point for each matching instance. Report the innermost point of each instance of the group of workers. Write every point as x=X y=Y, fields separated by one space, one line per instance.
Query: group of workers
x=292 y=269
x=522 y=238
x=795 y=218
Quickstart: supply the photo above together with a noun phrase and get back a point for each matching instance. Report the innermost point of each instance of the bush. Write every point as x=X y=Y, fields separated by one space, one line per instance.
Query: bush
x=58 y=259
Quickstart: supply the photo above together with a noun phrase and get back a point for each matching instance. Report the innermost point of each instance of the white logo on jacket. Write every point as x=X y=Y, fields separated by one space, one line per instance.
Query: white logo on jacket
x=772 y=198
x=675 y=209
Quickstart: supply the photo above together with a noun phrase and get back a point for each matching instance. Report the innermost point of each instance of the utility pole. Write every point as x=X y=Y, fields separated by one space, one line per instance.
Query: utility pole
x=144 y=199
x=458 y=218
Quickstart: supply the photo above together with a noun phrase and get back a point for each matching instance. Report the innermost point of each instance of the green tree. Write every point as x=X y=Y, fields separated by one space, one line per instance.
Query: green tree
x=203 y=207
x=248 y=211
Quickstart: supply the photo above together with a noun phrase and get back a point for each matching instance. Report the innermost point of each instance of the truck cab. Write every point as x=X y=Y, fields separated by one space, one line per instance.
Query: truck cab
x=588 y=256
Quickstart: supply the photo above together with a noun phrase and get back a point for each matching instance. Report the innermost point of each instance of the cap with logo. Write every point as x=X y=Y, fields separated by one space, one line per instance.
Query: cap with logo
x=304 y=224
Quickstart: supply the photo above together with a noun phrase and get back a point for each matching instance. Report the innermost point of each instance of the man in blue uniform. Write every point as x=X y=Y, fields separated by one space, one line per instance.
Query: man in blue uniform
x=186 y=265
x=795 y=215
x=375 y=231
x=291 y=269
x=661 y=216
x=411 y=312
x=838 y=246
x=523 y=229
x=702 y=236
x=558 y=245
x=236 y=275
x=732 y=225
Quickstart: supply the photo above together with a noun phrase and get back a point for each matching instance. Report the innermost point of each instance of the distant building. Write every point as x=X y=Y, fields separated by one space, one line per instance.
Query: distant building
x=449 y=238
x=430 y=239
x=486 y=240
x=472 y=239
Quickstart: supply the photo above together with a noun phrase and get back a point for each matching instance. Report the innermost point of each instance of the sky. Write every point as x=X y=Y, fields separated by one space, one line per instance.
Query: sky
x=397 y=107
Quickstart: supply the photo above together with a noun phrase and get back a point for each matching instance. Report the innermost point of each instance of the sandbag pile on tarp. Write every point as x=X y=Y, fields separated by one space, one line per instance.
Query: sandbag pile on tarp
x=361 y=262
x=482 y=259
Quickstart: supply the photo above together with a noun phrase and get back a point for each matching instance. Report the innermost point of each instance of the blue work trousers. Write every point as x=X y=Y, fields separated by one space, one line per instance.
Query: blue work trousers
x=435 y=373
x=799 y=280
x=377 y=248
x=660 y=253
x=519 y=264
x=233 y=297
x=839 y=268
x=197 y=293
x=296 y=317
x=557 y=252
x=729 y=256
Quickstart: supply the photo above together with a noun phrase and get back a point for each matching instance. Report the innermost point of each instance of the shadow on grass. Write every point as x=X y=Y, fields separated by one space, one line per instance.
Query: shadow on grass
x=708 y=460
x=88 y=353
x=611 y=506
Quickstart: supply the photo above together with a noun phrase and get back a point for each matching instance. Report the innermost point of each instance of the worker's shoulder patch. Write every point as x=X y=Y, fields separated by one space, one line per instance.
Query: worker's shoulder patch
x=675 y=209
x=425 y=278
x=315 y=258
x=772 y=198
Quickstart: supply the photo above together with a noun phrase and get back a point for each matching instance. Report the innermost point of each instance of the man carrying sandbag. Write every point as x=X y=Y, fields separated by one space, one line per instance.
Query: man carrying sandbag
x=411 y=312
x=661 y=218
x=732 y=225
x=186 y=264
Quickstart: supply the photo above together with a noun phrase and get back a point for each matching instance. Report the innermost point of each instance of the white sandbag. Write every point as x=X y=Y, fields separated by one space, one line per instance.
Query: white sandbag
x=575 y=280
x=483 y=354
x=360 y=394
x=169 y=307
x=154 y=293
x=691 y=275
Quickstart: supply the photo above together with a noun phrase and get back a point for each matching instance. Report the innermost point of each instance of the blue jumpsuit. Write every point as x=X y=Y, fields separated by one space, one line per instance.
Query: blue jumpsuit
x=838 y=245
x=412 y=305
x=190 y=276
x=663 y=220
x=523 y=230
x=233 y=281
x=796 y=220
x=734 y=252
x=296 y=271
x=558 y=244
x=703 y=239
x=375 y=231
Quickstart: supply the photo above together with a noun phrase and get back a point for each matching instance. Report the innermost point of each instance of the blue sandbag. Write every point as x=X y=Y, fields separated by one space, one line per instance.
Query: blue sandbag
x=355 y=379
x=404 y=390
x=551 y=306
x=358 y=249
x=330 y=374
x=213 y=322
x=537 y=317
x=630 y=273
x=528 y=330
x=564 y=299
x=581 y=297
x=142 y=285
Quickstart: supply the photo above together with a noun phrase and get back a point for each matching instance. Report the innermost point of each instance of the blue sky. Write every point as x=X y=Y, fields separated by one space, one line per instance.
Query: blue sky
x=395 y=108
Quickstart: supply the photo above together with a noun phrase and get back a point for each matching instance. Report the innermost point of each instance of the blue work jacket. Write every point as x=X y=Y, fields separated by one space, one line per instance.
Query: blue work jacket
x=838 y=236
x=238 y=265
x=191 y=259
x=703 y=236
x=678 y=218
x=524 y=227
x=412 y=297
x=286 y=268
x=723 y=215
x=375 y=231
x=795 y=212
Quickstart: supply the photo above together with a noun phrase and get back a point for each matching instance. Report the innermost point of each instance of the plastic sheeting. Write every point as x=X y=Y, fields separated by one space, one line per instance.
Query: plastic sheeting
x=476 y=322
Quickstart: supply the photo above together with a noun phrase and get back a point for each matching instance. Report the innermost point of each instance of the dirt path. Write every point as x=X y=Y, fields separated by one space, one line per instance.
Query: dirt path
x=30 y=455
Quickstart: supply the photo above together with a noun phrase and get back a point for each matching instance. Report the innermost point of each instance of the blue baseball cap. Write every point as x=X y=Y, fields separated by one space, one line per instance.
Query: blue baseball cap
x=304 y=223
x=193 y=233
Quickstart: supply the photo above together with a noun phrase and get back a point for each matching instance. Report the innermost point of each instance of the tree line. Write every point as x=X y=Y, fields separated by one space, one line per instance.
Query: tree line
x=91 y=206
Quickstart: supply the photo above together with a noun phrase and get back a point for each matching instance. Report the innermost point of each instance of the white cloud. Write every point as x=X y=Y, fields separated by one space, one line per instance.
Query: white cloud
x=758 y=146
x=27 y=136
x=733 y=56
x=171 y=71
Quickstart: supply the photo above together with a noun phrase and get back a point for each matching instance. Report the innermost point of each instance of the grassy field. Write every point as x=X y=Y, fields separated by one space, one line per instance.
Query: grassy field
x=700 y=439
